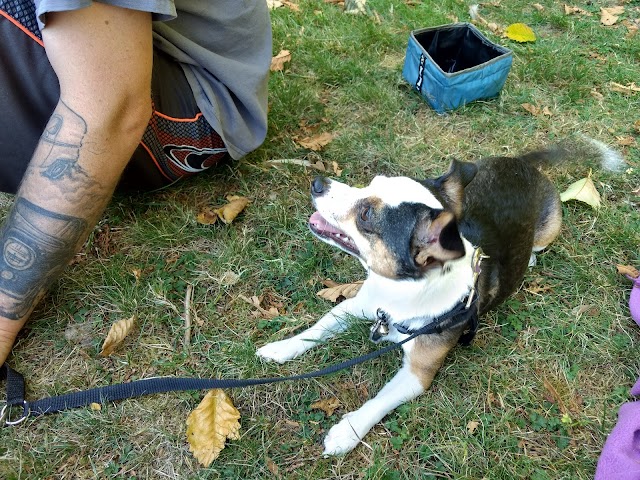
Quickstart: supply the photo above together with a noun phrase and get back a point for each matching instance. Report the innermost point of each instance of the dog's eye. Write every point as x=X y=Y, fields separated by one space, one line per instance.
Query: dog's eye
x=365 y=213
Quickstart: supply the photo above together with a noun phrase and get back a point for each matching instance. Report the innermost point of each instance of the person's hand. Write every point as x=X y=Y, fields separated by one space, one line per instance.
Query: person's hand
x=8 y=332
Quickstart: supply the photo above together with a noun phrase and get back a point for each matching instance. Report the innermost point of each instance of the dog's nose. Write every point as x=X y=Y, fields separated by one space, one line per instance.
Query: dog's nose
x=318 y=186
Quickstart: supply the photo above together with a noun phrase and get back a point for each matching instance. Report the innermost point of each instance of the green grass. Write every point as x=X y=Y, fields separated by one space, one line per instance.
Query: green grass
x=548 y=369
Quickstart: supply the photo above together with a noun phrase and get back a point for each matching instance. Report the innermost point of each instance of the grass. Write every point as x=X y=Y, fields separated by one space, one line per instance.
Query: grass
x=547 y=371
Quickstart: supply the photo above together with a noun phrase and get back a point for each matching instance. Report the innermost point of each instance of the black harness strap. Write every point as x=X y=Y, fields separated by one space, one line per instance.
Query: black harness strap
x=138 y=388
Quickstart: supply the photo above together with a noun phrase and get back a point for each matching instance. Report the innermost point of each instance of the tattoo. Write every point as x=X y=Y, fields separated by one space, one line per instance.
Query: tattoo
x=62 y=140
x=36 y=244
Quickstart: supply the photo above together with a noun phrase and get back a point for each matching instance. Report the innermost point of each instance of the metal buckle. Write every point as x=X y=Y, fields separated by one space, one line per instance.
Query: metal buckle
x=476 y=260
x=5 y=414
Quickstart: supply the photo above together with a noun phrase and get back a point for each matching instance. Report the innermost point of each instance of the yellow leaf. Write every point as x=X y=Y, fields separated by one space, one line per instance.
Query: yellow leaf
x=520 y=32
x=96 y=407
x=345 y=290
x=210 y=424
x=116 y=335
x=609 y=16
x=231 y=210
x=327 y=405
x=584 y=191
x=206 y=216
x=277 y=62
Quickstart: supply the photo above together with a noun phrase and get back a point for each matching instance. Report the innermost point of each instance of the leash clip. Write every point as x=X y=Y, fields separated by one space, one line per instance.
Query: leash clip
x=5 y=414
x=476 y=260
x=381 y=327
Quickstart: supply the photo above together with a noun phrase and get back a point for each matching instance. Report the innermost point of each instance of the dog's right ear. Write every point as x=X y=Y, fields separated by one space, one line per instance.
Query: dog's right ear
x=436 y=239
x=450 y=186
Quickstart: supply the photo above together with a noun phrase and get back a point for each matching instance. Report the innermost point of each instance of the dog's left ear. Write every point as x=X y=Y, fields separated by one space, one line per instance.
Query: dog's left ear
x=450 y=186
x=436 y=239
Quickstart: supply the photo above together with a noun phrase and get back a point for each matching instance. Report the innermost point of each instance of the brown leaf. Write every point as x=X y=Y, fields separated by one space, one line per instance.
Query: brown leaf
x=231 y=210
x=596 y=94
x=316 y=142
x=336 y=169
x=538 y=7
x=626 y=89
x=626 y=141
x=291 y=6
x=272 y=467
x=277 y=62
x=210 y=424
x=610 y=16
x=636 y=126
x=261 y=312
x=345 y=290
x=327 y=405
x=568 y=10
x=207 y=216
x=116 y=335
x=628 y=270
x=273 y=4
x=532 y=109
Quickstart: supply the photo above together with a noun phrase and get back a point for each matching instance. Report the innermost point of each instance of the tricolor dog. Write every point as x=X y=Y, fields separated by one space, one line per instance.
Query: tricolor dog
x=421 y=242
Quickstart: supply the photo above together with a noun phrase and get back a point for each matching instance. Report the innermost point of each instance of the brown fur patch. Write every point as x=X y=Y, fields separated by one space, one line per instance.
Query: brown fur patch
x=382 y=261
x=429 y=352
x=549 y=227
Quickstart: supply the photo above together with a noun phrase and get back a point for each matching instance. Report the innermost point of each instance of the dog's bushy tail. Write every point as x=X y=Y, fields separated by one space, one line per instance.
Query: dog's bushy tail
x=579 y=150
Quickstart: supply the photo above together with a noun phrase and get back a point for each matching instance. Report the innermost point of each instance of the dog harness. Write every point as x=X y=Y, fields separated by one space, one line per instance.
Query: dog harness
x=465 y=312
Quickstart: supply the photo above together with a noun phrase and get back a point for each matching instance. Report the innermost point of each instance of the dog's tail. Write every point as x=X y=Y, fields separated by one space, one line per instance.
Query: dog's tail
x=580 y=150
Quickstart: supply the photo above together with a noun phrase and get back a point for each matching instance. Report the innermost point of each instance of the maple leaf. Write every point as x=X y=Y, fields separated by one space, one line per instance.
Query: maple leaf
x=210 y=424
x=117 y=333
x=584 y=191
x=520 y=32
x=277 y=62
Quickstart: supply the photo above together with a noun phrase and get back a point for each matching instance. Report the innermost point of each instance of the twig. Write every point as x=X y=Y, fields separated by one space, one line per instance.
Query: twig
x=187 y=317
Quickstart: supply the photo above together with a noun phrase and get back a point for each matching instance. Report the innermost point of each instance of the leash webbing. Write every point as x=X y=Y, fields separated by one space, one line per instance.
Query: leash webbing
x=137 y=388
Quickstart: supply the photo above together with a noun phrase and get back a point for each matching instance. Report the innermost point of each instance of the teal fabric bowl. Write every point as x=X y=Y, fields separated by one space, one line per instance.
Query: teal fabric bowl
x=452 y=65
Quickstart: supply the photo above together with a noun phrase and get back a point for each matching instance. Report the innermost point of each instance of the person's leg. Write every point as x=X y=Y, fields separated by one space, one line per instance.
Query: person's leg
x=178 y=142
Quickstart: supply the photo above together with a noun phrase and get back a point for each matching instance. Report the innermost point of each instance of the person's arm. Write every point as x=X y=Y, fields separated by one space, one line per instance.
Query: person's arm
x=102 y=56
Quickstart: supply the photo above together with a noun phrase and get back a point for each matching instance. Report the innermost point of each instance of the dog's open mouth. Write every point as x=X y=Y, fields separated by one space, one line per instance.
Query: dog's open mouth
x=330 y=234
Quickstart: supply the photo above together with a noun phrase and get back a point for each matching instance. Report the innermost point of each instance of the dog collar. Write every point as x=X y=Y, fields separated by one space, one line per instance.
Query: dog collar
x=464 y=312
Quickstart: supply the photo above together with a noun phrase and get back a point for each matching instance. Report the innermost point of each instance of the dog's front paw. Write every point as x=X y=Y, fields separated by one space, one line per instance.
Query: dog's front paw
x=342 y=437
x=282 y=351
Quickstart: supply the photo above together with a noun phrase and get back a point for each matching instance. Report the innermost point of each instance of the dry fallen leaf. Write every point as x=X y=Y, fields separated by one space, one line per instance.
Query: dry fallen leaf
x=207 y=216
x=316 y=142
x=277 y=62
x=336 y=169
x=345 y=290
x=610 y=16
x=116 y=335
x=626 y=140
x=472 y=426
x=537 y=111
x=210 y=424
x=596 y=94
x=355 y=6
x=569 y=10
x=584 y=191
x=327 y=405
x=231 y=210
x=96 y=407
x=520 y=32
x=261 y=312
x=273 y=4
x=626 y=89
x=628 y=270
x=636 y=126
x=539 y=7
x=291 y=6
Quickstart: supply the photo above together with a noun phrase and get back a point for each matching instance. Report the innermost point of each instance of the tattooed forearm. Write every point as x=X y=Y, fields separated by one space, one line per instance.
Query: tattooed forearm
x=36 y=244
x=61 y=145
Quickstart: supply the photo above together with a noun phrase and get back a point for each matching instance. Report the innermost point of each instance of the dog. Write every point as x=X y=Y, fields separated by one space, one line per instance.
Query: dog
x=421 y=243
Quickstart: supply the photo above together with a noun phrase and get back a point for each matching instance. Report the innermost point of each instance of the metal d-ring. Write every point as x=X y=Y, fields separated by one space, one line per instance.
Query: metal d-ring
x=5 y=414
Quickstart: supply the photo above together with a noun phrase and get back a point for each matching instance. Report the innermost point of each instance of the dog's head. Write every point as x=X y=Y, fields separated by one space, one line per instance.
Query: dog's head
x=396 y=226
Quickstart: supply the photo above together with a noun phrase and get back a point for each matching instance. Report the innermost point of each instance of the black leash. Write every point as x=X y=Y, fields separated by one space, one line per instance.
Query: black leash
x=462 y=314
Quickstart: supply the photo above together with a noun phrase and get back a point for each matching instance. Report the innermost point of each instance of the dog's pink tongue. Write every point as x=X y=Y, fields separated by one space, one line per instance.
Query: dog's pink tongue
x=318 y=222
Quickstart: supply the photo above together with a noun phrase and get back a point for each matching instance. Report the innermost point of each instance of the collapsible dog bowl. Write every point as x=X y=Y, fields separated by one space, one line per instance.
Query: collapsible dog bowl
x=455 y=64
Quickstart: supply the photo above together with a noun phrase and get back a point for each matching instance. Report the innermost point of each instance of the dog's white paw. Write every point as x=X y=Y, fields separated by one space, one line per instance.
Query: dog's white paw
x=342 y=437
x=282 y=351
